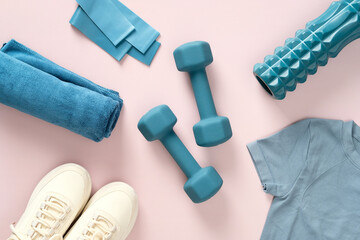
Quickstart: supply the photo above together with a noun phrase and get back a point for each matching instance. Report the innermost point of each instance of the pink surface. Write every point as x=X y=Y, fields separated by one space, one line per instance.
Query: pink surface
x=241 y=33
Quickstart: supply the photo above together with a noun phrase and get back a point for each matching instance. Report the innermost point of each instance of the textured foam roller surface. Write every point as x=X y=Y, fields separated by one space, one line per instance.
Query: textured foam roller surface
x=323 y=38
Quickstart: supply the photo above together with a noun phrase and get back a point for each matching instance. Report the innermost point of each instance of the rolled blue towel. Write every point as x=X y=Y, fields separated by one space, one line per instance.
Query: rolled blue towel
x=35 y=85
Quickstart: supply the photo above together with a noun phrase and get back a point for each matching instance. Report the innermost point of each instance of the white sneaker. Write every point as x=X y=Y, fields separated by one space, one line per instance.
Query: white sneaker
x=109 y=215
x=55 y=203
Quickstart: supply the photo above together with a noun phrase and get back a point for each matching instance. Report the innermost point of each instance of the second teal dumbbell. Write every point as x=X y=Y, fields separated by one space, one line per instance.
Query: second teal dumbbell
x=157 y=124
x=193 y=57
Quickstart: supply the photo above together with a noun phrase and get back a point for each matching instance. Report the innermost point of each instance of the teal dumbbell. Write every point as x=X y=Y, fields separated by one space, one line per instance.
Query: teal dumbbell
x=212 y=129
x=157 y=124
x=323 y=38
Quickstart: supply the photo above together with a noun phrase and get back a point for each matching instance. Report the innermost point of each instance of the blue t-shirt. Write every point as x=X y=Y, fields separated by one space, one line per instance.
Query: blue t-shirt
x=312 y=168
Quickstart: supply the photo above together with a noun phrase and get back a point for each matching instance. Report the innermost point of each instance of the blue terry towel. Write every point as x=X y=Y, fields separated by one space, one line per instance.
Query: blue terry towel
x=35 y=85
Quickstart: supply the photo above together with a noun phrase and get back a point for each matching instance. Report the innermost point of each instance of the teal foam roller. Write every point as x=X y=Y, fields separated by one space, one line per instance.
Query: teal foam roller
x=323 y=38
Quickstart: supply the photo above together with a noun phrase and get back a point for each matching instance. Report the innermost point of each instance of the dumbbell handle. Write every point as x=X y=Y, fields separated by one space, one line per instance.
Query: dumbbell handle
x=202 y=91
x=181 y=155
x=322 y=38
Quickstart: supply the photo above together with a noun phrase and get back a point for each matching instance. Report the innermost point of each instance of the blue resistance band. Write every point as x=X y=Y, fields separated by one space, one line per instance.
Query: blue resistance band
x=115 y=20
x=84 y=24
x=108 y=18
x=148 y=56
x=144 y=35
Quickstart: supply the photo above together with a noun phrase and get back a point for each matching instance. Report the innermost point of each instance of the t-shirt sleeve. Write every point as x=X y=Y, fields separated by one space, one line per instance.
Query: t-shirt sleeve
x=280 y=158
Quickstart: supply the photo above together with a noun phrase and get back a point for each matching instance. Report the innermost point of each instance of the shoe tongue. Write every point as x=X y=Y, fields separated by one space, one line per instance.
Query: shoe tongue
x=98 y=236
x=56 y=209
x=57 y=205
x=13 y=237
x=105 y=223
x=101 y=228
x=56 y=237
x=35 y=236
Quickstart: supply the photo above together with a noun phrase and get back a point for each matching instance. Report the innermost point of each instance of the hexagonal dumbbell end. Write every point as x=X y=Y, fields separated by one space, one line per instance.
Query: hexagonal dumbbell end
x=193 y=56
x=157 y=123
x=203 y=185
x=212 y=131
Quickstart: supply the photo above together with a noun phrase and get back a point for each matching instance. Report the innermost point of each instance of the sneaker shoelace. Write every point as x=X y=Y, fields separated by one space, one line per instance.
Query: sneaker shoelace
x=52 y=211
x=99 y=228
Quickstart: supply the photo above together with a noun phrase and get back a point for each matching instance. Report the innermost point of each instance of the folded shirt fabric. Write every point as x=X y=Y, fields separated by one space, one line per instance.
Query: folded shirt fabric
x=312 y=168
x=35 y=85
x=116 y=29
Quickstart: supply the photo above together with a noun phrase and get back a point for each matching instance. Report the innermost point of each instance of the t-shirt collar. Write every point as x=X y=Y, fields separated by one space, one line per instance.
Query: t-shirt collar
x=350 y=131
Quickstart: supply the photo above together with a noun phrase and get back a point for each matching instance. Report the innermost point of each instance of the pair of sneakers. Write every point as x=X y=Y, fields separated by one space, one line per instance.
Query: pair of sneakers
x=62 y=199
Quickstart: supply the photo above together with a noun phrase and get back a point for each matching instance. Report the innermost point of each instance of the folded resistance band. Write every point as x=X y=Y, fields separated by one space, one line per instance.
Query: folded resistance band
x=115 y=19
x=113 y=24
x=35 y=85
x=144 y=35
x=94 y=19
x=83 y=23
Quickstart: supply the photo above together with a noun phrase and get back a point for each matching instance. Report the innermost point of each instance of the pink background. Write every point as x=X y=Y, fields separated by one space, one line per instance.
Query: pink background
x=241 y=33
